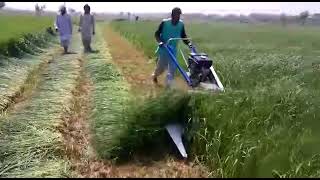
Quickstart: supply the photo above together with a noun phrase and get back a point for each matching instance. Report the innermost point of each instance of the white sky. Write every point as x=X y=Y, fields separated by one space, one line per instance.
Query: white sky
x=187 y=7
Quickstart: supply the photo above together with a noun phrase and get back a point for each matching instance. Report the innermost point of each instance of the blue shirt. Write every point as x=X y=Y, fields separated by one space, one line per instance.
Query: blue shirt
x=168 y=30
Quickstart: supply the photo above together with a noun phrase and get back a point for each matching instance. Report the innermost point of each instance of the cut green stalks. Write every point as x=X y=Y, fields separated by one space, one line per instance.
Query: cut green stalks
x=110 y=95
x=30 y=143
x=20 y=32
x=27 y=44
x=122 y=124
x=14 y=72
x=144 y=124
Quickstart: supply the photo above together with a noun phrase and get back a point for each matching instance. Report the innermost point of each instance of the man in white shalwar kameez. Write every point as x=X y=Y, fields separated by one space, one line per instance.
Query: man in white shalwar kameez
x=64 y=26
x=87 y=28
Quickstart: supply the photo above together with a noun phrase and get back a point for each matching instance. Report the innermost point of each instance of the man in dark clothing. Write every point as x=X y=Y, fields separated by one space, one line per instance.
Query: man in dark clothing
x=169 y=28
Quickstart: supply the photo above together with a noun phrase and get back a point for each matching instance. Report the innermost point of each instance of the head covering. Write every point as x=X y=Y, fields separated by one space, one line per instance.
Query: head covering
x=176 y=10
x=86 y=6
x=62 y=7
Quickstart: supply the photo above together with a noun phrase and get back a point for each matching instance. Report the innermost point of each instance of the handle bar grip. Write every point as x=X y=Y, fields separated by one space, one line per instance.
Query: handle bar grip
x=177 y=39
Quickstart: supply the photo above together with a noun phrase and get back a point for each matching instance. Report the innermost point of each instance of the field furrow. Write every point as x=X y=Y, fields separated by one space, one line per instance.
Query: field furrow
x=16 y=74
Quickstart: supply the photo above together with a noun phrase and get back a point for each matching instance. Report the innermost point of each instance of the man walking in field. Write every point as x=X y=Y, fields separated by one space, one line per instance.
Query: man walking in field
x=87 y=28
x=64 y=26
x=169 y=28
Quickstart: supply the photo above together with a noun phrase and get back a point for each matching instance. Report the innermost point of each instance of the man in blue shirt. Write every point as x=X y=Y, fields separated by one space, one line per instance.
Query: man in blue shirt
x=169 y=28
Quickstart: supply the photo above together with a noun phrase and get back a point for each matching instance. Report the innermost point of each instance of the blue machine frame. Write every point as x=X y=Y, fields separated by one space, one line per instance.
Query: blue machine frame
x=176 y=130
x=184 y=74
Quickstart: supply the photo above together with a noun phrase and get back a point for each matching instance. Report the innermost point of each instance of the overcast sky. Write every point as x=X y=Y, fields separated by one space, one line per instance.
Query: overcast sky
x=187 y=7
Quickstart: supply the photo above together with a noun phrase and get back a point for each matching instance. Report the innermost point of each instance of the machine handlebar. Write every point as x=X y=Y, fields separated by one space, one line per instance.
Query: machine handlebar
x=176 y=39
x=193 y=49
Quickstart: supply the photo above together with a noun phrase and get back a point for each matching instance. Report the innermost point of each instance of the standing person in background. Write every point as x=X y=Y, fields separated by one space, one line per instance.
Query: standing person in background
x=87 y=28
x=63 y=24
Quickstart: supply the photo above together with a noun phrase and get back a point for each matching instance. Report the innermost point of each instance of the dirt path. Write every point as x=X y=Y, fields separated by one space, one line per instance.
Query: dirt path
x=76 y=131
x=134 y=65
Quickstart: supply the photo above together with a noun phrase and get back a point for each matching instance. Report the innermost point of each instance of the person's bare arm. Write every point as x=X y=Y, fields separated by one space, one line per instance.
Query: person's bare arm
x=158 y=33
x=184 y=35
x=56 y=25
x=93 y=25
x=70 y=22
x=80 y=23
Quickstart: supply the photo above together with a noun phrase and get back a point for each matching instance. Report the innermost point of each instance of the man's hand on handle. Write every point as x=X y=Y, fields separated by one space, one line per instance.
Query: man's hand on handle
x=161 y=44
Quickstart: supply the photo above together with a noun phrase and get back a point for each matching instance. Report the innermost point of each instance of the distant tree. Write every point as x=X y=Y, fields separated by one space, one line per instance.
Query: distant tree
x=303 y=17
x=2 y=4
x=42 y=8
x=283 y=19
x=39 y=9
x=137 y=18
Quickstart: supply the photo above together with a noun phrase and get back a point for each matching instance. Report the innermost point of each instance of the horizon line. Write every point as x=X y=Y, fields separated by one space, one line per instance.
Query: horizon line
x=271 y=12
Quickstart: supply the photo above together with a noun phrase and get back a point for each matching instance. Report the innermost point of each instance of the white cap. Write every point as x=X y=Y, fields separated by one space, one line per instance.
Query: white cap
x=62 y=7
